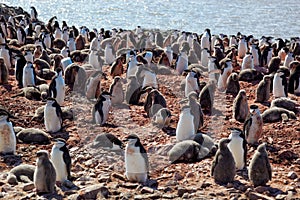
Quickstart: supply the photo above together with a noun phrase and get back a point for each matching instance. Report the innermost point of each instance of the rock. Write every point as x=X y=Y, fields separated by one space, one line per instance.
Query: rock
x=103 y=178
x=33 y=136
x=280 y=197
x=104 y=193
x=147 y=190
x=17 y=129
x=261 y=189
x=91 y=192
x=169 y=196
x=28 y=186
x=178 y=177
x=118 y=176
x=292 y=175
x=287 y=155
x=181 y=191
x=70 y=185
x=148 y=196
x=12 y=179
x=255 y=196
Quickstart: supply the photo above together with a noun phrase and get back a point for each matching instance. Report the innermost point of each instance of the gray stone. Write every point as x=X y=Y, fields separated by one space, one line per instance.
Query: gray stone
x=261 y=189
x=12 y=179
x=118 y=176
x=181 y=191
x=280 y=197
x=255 y=196
x=91 y=192
x=28 y=186
x=147 y=190
x=292 y=175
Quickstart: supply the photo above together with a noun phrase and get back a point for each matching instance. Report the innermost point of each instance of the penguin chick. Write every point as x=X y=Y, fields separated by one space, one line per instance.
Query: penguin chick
x=223 y=165
x=44 y=175
x=260 y=171
x=107 y=141
x=187 y=151
x=240 y=108
x=61 y=160
x=162 y=118
x=101 y=109
x=262 y=94
x=136 y=160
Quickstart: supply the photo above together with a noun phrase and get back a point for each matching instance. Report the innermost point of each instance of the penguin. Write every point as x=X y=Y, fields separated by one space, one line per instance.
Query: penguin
x=146 y=76
x=266 y=55
x=185 y=127
x=238 y=147
x=232 y=84
x=260 y=171
x=136 y=160
x=52 y=116
x=255 y=51
x=28 y=56
x=294 y=79
x=207 y=96
x=21 y=35
x=240 y=108
x=28 y=76
x=61 y=160
x=7 y=134
x=206 y=142
x=57 y=87
x=191 y=83
x=44 y=176
x=132 y=64
x=205 y=54
x=162 y=118
x=196 y=110
x=232 y=40
x=169 y=52
x=107 y=141
x=75 y=78
x=187 y=151
x=242 y=47
x=101 y=108
x=116 y=91
x=288 y=59
x=262 y=93
x=5 y=52
x=275 y=114
x=154 y=101
x=274 y=65
x=33 y=14
x=109 y=54
x=226 y=70
x=247 y=62
x=223 y=166
x=93 y=85
x=213 y=65
x=253 y=125
x=280 y=84
x=3 y=72
x=117 y=67
x=133 y=91
x=181 y=62
x=206 y=39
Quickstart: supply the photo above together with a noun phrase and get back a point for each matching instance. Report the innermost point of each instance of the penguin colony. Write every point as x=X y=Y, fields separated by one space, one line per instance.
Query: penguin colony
x=63 y=57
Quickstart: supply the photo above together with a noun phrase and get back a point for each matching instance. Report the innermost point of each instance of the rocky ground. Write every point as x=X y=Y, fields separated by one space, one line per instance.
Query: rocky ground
x=99 y=173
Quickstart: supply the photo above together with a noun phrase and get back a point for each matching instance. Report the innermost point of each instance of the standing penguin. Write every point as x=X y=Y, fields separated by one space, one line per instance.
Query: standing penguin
x=260 y=171
x=61 y=160
x=19 y=66
x=240 y=106
x=133 y=91
x=233 y=85
x=262 y=94
x=116 y=91
x=205 y=54
x=101 y=108
x=247 y=62
x=154 y=101
x=196 y=110
x=93 y=83
x=181 y=62
x=57 y=87
x=44 y=175
x=136 y=160
x=5 y=52
x=3 y=72
x=52 y=116
x=242 y=47
x=280 y=84
x=253 y=125
x=207 y=96
x=213 y=65
x=185 y=128
x=7 y=135
x=29 y=76
x=223 y=165
x=294 y=79
x=226 y=70
x=191 y=83
x=33 y=14
x=109 y=54
x=238 y=147
x=255 y=51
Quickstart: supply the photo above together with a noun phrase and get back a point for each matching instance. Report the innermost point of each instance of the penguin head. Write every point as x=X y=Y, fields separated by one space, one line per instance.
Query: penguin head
x=50 y=101
x=253 y=109
x=59 y=142
x=223 y=143
x=262 y=148
x=133 y=139
x=42 y=154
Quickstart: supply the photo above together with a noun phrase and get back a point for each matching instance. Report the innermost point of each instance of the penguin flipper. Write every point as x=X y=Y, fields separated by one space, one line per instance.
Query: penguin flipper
x=214 y=164
x=247 y=125
x=67 y=160
x=52 y=88
x=269 y=168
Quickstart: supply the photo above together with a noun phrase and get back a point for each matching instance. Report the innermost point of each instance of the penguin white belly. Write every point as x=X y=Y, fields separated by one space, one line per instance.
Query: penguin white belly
x=191 y=86
x=204 y=58
x=109 y=57
x=205 y=42
x=242 y=49
x=28 y=77
x=212 y=75
x=52 y=122
x=60 y=89
x=39 y=178
x=236 y=148
x=71 y=45
x=7 y=137
x=5 y=54
x=59 y=164
x=185 y=128
x=106 y=108
x=149 y=79
x=98 y=118
x=182 y=64
x=255 y=58
x=278 y=88
x=93 y=59
x=19 y=37
x=170 y=57
x=47 y=42
x=255 y=130
x=92 y=87
x=132 y=68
